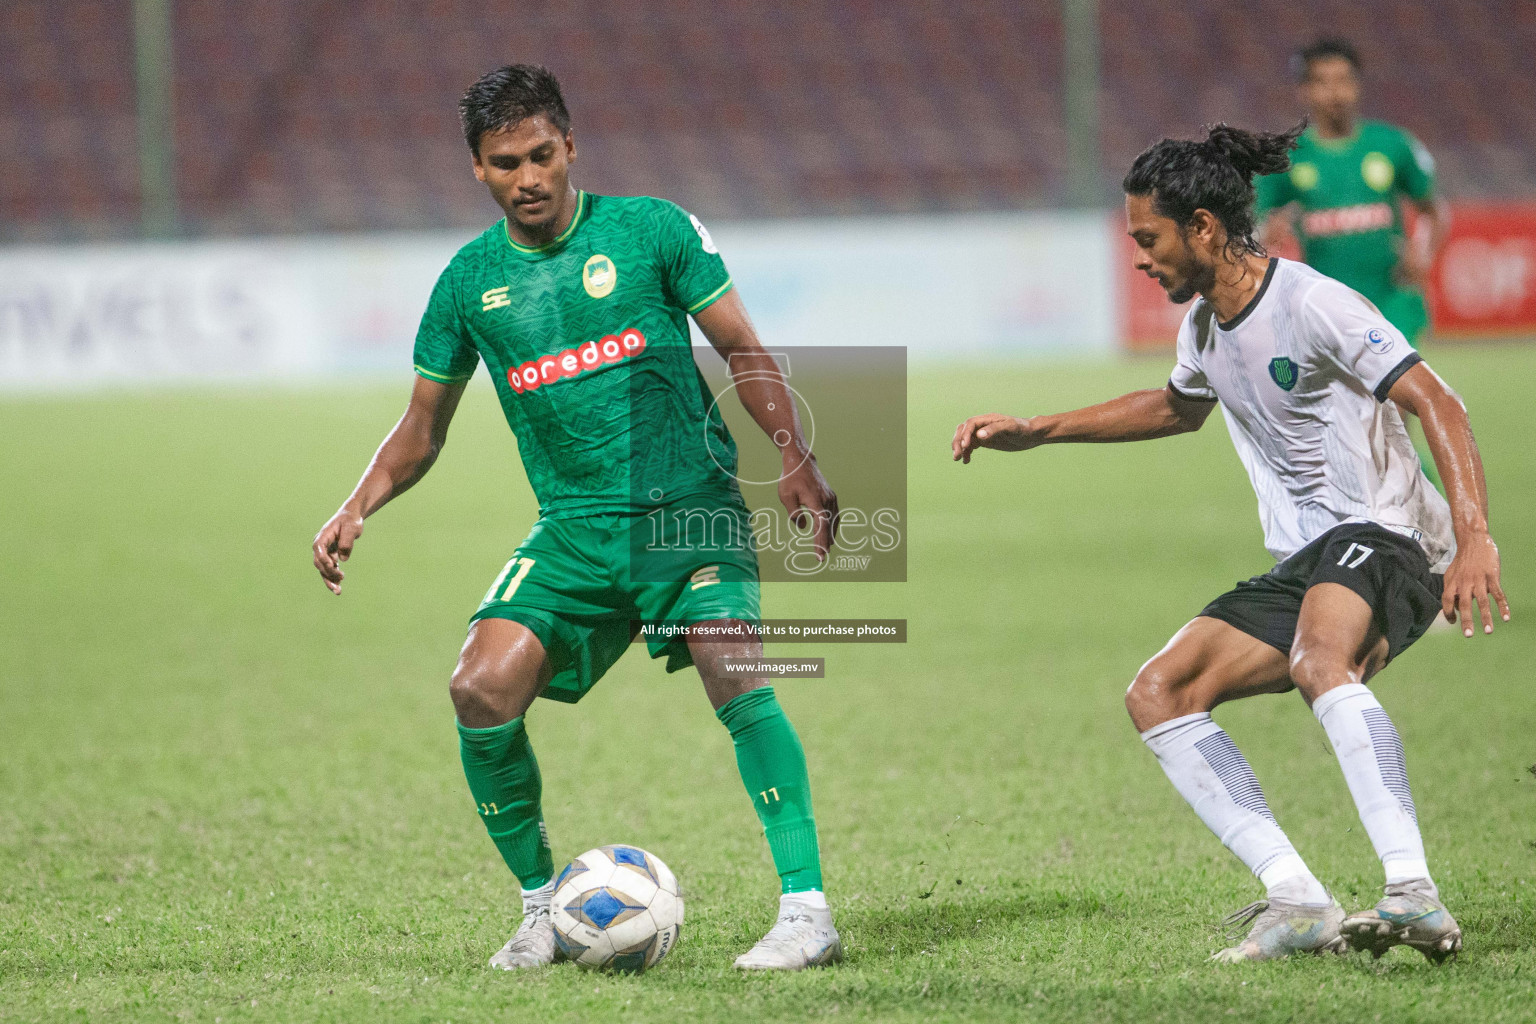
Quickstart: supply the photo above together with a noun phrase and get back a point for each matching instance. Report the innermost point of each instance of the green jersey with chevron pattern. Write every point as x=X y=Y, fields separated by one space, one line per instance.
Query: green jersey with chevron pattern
x=586 y=339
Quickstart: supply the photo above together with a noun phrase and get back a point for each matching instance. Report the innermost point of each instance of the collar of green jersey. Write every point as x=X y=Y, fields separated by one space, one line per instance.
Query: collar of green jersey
x=1341 y=142
x=558 y=240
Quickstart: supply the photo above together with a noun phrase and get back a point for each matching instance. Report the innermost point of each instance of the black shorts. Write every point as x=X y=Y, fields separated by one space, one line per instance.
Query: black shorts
x=1388 y=570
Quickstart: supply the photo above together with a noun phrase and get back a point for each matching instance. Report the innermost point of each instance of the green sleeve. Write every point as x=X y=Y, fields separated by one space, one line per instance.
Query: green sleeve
x=1415 y=168
x=1274 y=191
x=691 y=267
x=443 y=349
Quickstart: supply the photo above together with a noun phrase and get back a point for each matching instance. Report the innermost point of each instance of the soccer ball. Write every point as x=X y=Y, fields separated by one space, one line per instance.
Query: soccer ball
x=616 y=908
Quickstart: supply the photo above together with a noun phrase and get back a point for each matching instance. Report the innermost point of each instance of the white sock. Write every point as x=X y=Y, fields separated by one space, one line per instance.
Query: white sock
x=1371 y=755
x=539 y=897
x=814 y=899
x=1209 y=772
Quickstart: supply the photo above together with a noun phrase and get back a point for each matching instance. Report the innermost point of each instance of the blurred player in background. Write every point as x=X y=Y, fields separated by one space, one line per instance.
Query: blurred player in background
x=1344 y=193
x=1368 y=551
x=578 y=304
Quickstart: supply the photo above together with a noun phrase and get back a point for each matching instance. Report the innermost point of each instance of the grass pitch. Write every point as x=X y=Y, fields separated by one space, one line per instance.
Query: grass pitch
x=226 y=795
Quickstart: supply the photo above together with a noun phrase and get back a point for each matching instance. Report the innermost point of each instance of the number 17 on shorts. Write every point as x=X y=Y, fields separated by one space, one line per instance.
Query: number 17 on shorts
x=1354 y=555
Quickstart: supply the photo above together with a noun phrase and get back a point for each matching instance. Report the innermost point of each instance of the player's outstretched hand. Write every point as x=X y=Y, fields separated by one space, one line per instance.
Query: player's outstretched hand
x=1474 y=576
x=993 y=430
x=807 y=496
x=333 y=545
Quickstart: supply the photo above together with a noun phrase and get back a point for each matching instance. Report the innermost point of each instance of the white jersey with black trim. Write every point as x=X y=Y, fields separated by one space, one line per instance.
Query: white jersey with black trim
x=1302 y=375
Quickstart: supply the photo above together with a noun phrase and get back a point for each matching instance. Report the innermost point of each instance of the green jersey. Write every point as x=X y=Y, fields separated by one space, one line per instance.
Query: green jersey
x=1350 y=226
x=586 y=339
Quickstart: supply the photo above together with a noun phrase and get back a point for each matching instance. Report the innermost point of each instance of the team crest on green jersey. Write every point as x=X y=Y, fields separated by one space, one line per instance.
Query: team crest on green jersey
x=1377 y=170
x=1283 y=372
x=599 y=276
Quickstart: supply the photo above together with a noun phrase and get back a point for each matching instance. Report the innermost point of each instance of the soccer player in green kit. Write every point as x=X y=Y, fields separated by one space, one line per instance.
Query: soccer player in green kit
x=1342 y=195
x=578 y=305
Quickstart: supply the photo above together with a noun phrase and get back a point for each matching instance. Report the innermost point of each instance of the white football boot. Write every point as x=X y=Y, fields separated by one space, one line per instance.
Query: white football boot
x=1281 y=928
x=802 y=937
x=1411 y=914
x=534 y=943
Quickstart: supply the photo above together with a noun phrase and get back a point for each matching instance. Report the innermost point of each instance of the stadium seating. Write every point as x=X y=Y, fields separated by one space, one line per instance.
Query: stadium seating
x=294 y=116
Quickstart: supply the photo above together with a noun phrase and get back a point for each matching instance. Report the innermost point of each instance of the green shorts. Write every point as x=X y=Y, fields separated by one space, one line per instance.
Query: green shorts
x=583 y=584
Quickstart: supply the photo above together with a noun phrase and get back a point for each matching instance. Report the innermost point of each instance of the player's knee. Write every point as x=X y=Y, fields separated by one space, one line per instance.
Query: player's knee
x=722 y=686
x=476 y=694
x=1316 y=671
x=501 y=670
x=1154 y=696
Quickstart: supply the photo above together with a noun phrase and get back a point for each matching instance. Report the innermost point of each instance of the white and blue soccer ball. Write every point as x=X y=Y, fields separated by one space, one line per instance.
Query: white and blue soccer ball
x=616 y=908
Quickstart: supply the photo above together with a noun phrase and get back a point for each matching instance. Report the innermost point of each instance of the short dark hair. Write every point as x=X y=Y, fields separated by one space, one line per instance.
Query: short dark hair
x=1215 y=174
x=507 y=96
x=1321 y=49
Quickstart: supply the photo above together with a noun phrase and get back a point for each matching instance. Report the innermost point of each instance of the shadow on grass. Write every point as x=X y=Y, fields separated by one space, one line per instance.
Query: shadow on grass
x=928 y=925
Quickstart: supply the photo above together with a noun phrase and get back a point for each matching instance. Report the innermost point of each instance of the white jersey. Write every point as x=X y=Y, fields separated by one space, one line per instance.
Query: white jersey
x=1302 y=374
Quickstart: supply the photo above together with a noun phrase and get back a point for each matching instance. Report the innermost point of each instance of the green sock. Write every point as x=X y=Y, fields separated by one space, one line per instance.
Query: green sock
x=504 y=778
x=772 y=765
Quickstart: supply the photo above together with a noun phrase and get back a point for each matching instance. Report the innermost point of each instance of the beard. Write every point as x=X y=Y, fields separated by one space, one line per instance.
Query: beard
x=1182 y=294
x=1194 y=277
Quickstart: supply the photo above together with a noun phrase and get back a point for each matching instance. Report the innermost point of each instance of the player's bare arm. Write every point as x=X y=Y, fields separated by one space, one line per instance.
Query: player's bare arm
x=765 y=395
x=1138 y=416
x=1473 y=577
x=1429 y=233
x=404 y=458
x=1165 y=251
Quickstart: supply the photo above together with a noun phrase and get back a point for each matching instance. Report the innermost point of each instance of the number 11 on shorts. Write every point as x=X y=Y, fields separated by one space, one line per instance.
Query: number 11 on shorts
x=1349 y=553
x=521 y=565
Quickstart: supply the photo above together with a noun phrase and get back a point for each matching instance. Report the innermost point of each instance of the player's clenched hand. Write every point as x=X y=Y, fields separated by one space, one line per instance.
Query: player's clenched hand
x=994 y=430
x=333 y=545
x=1474 y=576
x=807 y=497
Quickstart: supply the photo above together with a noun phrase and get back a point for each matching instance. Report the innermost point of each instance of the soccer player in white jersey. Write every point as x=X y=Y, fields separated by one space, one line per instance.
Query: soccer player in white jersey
x=1311 y=379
